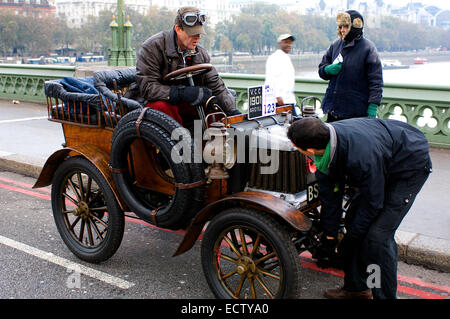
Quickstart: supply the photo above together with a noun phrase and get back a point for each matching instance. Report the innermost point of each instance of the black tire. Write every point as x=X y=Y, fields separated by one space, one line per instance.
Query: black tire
x=171 y=212
x=168 y=124
x=87 y=215
x=227 y=265
x=153 y=116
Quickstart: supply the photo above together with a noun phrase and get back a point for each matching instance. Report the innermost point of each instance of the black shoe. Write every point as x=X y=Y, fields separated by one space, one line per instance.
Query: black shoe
x=341 y=293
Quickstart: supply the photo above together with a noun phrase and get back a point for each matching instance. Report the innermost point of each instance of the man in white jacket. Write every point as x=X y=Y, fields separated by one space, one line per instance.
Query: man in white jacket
x=280 y=73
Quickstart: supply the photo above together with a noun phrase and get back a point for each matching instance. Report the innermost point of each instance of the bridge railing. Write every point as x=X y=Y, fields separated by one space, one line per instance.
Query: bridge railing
x=26 y=82
x=426 y=107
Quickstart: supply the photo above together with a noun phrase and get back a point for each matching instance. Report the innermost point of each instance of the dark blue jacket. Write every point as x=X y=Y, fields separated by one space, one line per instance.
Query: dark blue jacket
x=369 y=154
x=360 y=81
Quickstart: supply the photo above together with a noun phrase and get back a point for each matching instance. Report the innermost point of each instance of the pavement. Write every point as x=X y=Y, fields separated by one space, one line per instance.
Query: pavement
x=27 y=139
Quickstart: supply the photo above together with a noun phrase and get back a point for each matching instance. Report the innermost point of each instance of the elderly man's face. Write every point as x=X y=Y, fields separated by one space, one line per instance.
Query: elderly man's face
x=186 y=41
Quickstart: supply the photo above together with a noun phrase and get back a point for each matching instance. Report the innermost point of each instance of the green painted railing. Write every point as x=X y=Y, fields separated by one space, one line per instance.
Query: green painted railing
x=26 y=82
x=425 y=107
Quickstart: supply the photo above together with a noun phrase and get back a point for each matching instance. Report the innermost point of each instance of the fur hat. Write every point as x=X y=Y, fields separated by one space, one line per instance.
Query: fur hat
x=354 y=20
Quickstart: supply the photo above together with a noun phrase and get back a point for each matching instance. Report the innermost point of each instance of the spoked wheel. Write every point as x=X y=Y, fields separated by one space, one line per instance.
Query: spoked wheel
x=246 y=254
x=85 y=210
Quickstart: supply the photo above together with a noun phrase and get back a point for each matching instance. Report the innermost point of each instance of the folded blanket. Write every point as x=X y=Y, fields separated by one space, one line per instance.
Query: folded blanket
x=79 y=85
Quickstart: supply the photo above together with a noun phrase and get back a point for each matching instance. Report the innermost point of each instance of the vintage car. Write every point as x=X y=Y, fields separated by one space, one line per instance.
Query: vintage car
x=239 y=181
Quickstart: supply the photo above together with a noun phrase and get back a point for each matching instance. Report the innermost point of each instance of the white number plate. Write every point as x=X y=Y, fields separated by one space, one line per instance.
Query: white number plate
x=261 y=101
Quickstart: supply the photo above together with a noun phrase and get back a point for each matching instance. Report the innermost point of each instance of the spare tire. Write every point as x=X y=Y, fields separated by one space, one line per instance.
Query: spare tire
x=172 y=212
x=168 y=124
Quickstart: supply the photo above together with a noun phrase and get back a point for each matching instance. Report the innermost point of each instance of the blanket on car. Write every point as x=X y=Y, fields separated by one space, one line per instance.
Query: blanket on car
x=79 y=85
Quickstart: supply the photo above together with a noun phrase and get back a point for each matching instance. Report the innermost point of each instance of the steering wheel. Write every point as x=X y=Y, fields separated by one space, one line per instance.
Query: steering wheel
x=188 y=72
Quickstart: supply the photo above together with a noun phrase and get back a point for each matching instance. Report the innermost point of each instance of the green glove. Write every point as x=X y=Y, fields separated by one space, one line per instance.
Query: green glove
x=372 y=110
x=333 y=69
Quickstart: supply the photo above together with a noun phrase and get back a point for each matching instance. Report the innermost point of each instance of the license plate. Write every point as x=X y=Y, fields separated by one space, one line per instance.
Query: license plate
x=312 y=193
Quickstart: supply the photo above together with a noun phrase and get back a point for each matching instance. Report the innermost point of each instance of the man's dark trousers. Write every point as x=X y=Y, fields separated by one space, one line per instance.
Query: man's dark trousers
x=378 y=246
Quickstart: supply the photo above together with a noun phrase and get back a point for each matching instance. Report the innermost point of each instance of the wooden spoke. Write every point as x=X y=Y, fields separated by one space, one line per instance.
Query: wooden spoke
x=233 y=238
x=100 y=221
x=97 y=231
x=239 y=287
x=83 y=224
x=89 y=231
x=268 y=274
x=255 y=245
x=252 y=287
x=230 y=243
x=70 y=198
x=80 y=185
x=265 y=258
x=263 y=285
x=228 y=258
x=72 y=186
x=224 y=277
x=88 y=188
x=74 y=223
x=243 y=243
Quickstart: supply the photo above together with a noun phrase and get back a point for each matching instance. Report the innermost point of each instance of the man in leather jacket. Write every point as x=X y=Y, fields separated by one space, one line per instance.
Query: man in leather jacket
x=174 y=49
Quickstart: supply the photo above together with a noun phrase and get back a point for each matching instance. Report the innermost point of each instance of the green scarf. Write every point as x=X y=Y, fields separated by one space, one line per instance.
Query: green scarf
x=322 y=161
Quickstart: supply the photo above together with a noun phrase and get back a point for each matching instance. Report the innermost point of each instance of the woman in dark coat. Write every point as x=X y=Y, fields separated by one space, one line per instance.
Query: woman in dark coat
x=354 y=69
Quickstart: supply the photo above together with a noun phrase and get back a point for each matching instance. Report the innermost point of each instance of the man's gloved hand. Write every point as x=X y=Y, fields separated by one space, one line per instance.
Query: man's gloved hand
x=193 y=95
x=325 y=252
x=372 y=110
x=333 y=69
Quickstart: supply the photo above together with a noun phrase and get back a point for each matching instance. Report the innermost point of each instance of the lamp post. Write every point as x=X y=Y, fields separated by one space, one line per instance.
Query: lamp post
x=130 y=54
x=113 y=52
x=121 y=53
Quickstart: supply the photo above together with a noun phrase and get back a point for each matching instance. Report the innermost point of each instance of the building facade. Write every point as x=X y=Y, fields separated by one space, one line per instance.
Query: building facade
x=216 y=10
x=29 y=8
x=77 y=13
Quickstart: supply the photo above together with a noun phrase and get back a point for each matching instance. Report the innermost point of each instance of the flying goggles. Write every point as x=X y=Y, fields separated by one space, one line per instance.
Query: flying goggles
x=191 y=18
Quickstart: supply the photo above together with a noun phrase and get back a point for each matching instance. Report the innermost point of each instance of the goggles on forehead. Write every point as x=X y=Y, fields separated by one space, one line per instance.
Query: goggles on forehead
x=191 y=18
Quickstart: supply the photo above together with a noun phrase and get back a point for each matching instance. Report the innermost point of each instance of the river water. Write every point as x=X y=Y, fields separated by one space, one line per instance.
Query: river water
x=428 y=73
x=436 y=73
x=433 y=73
